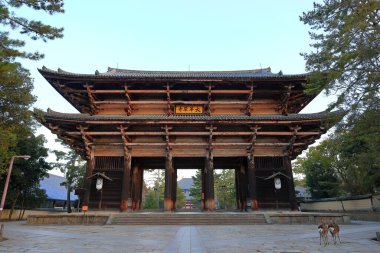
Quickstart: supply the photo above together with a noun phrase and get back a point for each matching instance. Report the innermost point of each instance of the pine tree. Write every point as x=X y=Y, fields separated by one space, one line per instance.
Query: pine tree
x=346 y=56
x=16 y=84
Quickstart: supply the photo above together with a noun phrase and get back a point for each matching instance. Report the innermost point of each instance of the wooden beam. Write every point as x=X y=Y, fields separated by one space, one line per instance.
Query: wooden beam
x=168 y=100
x=177 y=102
x=153 y=133
x=283 y=108
x=249 y=101
x=129 y=107
x=253 y=138
x=208 y=107
x=86 y=140
x=191 y=144
x=289 y=149
x=180 y=91
x=92 y=99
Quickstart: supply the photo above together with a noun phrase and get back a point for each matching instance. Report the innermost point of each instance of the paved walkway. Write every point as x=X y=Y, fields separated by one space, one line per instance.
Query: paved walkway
x=356 y=237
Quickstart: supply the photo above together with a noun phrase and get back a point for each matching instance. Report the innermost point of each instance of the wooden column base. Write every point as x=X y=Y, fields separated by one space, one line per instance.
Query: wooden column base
x=168 y=205
x=124 y=206
x=209 y=191
x=255 y=205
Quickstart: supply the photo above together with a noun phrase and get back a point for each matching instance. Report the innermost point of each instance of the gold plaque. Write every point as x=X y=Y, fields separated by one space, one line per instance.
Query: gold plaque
x=189 y=109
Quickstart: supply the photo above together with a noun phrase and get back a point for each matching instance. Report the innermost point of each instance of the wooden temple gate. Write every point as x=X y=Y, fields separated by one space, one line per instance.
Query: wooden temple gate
x=135 y=120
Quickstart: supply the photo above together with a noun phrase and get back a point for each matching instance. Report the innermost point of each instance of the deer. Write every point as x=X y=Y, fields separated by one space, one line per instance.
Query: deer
x=334 y=231
x=323 y=234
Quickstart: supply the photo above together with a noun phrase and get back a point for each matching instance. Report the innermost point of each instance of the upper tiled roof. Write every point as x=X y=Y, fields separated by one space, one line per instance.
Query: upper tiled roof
x=144 y=74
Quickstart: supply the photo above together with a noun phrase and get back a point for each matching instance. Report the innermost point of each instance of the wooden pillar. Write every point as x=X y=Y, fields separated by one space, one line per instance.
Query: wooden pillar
x=169 y=174
x=291 y=190
x=87 y=182
x=174 y=189
x=209 y=184
x=203 y=189
x=242 y=188
x=140 y=187
x=126 y=183
x=251 y=173
x=135 y=186
x=237 y=188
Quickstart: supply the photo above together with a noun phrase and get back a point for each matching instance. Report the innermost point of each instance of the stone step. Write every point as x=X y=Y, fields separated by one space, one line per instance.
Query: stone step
x=186 y=219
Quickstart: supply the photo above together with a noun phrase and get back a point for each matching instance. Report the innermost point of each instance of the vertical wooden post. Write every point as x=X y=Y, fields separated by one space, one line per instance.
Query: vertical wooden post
x=243 y=188
x=291 y=190
x=87 y=183
x=126 y=183
x=174 y=189
x=237 y=188
x=209 y=184
x=135 y=182
x=169 y=174
x=203 y=188
x=251 y=171
x=140 y=187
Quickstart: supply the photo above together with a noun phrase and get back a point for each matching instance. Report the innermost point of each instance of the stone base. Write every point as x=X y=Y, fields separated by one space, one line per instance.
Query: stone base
x=191 y=218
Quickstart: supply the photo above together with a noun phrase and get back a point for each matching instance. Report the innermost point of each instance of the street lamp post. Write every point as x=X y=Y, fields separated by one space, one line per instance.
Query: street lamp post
x=7 y=181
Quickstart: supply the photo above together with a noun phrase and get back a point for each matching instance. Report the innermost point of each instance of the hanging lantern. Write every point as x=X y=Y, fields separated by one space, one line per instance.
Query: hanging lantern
x=277 y=183
x=99 y=183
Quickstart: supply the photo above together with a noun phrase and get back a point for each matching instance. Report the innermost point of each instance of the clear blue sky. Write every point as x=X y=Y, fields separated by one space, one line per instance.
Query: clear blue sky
x=172 y=35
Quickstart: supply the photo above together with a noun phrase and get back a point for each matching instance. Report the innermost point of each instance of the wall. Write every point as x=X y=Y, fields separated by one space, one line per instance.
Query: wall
x=365 y=203
x=16 y=214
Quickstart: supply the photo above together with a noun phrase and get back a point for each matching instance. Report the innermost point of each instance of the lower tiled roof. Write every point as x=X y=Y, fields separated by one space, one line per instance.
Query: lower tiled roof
x=50 y=114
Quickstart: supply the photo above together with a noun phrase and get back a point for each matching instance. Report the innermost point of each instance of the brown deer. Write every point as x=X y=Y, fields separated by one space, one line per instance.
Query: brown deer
x=334 y=231
x=323 y=234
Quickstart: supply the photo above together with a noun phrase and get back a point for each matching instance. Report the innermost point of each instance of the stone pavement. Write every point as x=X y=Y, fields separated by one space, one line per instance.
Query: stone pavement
x=356 y=237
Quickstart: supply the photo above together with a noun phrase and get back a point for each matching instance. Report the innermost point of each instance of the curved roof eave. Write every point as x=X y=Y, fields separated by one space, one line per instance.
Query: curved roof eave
x=143 y=74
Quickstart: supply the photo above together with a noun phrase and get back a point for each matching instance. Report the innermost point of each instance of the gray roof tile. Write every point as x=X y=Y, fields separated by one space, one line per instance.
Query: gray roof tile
x=144 y=74
x=50 y=114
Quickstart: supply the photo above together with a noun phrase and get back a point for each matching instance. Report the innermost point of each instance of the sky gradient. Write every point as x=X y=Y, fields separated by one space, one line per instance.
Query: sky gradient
x=171 y=35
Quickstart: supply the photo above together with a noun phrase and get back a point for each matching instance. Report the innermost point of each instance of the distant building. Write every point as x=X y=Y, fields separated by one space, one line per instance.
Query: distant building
x=185 y=184
x=302 y=192
x=56 y=193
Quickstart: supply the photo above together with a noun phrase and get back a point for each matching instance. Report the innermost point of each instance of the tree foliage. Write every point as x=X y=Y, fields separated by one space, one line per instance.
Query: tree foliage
x=348 y=162
x=318 y=167
x=180 y=198
x=26 y=174
x=155 y=195
x=225 y=191
x=196 y=189
x=15 y=100
x=33 y=29
x=73 y=168
x=16 y=84
x=346 y=56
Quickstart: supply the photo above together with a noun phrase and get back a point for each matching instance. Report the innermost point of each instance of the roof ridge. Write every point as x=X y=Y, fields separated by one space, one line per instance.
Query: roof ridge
x=117 y=70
